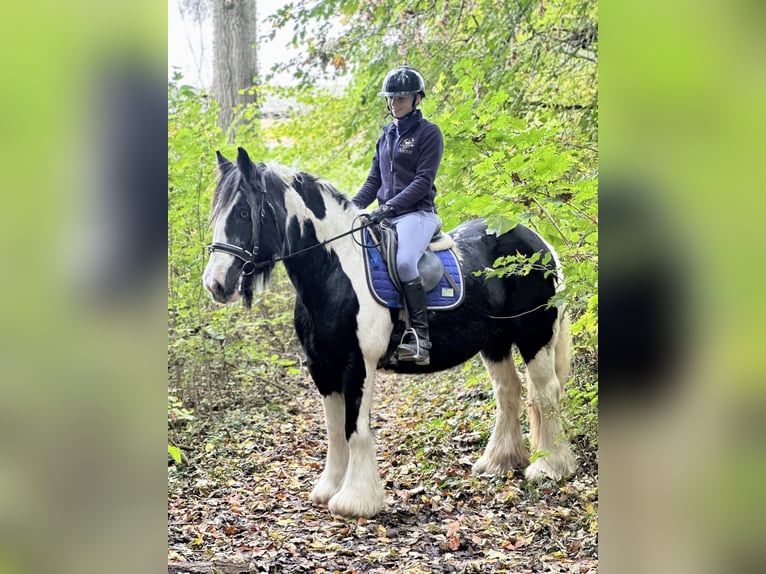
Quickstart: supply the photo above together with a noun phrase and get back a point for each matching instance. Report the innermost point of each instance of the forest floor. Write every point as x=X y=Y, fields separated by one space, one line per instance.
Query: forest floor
x=238 y=502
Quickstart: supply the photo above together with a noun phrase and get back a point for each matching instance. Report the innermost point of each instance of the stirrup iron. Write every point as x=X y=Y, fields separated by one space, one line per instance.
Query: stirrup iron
x=411 y=352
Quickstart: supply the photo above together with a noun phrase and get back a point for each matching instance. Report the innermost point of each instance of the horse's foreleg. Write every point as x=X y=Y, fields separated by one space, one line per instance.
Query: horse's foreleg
x=361 y=493
x=556 y=460
x=505 y=449
x=337 y=450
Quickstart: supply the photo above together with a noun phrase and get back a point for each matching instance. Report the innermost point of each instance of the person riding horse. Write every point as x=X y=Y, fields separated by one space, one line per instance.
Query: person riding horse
x=404 y=166
x=266 y=213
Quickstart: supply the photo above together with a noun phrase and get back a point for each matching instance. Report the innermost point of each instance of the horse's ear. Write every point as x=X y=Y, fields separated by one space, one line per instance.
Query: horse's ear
x=223 y=163
x=244 y=163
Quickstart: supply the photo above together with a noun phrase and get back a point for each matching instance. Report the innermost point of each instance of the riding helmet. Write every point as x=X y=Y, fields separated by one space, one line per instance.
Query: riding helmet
x=403 y=81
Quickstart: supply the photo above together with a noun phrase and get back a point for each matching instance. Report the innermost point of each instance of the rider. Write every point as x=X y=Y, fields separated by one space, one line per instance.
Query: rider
x=402 y=175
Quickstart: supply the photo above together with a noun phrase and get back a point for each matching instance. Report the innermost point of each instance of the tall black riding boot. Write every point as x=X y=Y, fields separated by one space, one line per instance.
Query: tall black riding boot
x=415 y=343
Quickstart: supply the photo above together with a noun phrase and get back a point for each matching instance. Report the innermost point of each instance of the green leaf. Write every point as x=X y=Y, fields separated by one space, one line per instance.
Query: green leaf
x=499 y=224
x=175 y=453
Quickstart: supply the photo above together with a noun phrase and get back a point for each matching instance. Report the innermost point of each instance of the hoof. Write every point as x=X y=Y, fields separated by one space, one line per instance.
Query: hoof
x=499 y=466
x=321 y=495
x=326 y=487
x=350 y=505
x=557 y=465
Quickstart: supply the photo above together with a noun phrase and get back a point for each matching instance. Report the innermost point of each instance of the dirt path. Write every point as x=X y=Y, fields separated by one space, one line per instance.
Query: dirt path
x=240 y=501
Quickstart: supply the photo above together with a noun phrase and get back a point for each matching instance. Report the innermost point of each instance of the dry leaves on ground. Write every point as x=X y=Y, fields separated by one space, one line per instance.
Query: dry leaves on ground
x=239 y=502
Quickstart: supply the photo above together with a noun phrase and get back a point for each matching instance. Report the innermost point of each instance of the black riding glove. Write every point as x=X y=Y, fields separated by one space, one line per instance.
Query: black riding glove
x=383 y=212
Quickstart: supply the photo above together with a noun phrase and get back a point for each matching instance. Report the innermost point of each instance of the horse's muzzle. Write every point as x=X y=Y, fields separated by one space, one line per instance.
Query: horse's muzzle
x=218 y=292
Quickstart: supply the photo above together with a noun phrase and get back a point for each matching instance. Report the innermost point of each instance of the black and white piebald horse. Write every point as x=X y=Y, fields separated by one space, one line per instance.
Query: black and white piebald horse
x=267 y=213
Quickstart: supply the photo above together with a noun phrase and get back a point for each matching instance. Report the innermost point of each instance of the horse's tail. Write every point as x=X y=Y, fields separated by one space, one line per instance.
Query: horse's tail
x=563 y=347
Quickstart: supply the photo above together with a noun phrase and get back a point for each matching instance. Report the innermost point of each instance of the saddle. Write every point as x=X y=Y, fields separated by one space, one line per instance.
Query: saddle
x=439 y=268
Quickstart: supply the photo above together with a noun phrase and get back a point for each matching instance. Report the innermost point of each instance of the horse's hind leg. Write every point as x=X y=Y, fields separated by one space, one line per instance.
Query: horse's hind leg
x=562 y=363
x=505 y=450
x=556 y=460
x=337 y=450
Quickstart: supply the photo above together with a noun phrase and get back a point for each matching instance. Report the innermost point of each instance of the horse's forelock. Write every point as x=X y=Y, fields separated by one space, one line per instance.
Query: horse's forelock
x=224 y=193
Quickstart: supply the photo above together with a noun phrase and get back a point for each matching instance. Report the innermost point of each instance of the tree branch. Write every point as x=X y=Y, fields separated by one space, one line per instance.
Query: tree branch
x=553 y=221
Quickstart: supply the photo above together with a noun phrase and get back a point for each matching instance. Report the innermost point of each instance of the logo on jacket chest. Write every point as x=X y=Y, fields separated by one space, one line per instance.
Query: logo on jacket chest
x=407 y=145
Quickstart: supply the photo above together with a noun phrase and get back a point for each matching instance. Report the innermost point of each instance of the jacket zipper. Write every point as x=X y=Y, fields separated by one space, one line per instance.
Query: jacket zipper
x=391 y=151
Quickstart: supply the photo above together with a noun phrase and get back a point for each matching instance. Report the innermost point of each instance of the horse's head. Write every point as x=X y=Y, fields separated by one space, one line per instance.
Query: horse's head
x=248 y=230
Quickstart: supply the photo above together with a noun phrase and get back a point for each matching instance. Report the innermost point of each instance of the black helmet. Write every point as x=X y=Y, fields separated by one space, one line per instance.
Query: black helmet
x=403 y=81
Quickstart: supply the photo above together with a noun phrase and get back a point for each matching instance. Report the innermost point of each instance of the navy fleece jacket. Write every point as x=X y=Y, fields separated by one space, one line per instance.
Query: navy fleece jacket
x=404 y=166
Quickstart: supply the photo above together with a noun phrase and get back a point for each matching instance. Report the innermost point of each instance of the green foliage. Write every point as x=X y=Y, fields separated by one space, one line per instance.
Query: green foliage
x=176 y=410
x=216 y=354
x=520 y=264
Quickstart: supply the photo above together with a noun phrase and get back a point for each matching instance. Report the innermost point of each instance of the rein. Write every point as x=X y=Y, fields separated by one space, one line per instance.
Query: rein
x=251 y=265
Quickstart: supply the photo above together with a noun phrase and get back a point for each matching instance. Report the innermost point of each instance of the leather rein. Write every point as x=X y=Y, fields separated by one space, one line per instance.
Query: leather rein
x=251 y=265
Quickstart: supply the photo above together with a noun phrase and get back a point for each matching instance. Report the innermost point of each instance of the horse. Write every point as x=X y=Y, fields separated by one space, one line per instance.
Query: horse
x=263 y=214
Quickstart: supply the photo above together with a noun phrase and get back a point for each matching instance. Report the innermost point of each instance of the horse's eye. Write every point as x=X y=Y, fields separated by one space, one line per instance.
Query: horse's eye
x=244 y=213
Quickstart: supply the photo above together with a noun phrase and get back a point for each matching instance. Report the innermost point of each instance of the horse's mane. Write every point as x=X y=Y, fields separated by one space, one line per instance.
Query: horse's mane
x=230 y=178
x=288 y=175
x=330 y=189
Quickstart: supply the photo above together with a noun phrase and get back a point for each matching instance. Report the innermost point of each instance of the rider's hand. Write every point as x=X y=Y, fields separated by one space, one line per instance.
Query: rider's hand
x=381 y=213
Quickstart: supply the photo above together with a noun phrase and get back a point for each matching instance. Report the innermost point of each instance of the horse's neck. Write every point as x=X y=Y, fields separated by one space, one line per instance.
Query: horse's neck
x=338 y=220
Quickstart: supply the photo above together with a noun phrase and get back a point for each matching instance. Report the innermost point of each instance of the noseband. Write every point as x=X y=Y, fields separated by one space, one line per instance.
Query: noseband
x=243 y=254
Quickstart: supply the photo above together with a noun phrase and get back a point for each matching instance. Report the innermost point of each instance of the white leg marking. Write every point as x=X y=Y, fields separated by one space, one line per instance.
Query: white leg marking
x=505 y=449
x=556 y=460
x=337 y=450
x=362 y=491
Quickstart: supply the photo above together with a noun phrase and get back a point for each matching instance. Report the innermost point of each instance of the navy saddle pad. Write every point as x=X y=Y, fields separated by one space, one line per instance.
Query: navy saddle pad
x=443 y=296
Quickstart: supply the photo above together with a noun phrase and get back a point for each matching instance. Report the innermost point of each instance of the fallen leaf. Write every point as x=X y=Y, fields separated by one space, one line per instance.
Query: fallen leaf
x=453 y=535
x=453 y=528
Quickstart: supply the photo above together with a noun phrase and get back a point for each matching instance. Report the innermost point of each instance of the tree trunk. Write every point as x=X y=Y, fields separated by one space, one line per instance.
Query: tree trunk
x=235 y=63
